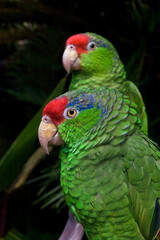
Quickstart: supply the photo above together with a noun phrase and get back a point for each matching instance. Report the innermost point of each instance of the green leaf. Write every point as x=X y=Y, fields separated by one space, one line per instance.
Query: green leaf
x=24 y=145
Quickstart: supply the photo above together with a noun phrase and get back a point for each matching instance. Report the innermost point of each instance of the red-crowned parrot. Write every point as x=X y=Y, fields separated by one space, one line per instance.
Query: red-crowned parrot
x=94 y=62
x=110 y=170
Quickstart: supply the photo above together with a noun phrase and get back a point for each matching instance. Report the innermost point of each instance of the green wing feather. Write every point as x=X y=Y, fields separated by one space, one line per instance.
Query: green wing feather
x=144 y=183
x=130 y=89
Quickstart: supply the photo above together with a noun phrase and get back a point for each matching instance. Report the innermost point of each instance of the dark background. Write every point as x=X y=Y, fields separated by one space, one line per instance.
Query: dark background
x=32 y=39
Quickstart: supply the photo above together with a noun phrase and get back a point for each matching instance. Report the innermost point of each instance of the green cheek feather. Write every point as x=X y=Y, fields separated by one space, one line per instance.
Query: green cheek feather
x=72 y=130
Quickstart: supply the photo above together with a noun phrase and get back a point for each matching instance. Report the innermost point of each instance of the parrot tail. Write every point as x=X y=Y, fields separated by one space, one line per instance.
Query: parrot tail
x=155 y=224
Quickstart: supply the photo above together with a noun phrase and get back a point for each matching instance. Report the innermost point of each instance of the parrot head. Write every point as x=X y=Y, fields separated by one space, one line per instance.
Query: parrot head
x=68 y=118
x=91 y=53
x=79 y=116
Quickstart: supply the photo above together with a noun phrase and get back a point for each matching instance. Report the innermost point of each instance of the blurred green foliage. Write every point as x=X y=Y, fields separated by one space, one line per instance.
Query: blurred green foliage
x=32 y=38
x=15 y=235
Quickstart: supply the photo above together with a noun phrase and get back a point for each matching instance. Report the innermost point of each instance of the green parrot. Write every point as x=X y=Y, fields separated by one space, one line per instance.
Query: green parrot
x=110 y=170
x=94 y=62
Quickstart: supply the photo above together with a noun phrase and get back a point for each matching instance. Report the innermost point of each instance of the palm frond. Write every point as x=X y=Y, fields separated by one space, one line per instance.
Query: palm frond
x=50 y=193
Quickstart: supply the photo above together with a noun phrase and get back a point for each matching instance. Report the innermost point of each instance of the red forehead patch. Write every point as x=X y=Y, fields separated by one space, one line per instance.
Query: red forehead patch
x=55 y=108
x=80 y=41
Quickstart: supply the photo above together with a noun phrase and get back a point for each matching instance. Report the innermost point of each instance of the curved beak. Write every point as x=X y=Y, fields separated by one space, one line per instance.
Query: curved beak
x=70 y=59
x=48 y=133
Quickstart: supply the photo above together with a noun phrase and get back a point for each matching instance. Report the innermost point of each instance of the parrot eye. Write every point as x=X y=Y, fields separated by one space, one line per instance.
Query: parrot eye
x=91 y=46
x=70 y=113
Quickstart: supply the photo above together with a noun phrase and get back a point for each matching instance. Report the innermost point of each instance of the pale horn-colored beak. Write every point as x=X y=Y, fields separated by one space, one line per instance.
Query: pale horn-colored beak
x=48 y=133
x=70 y=59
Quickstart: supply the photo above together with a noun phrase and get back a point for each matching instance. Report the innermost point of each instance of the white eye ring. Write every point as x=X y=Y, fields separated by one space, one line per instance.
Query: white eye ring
x=70 y=113
x=71 y=47
x=91 y=46
x=46 y=119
